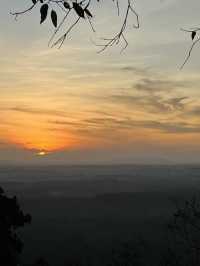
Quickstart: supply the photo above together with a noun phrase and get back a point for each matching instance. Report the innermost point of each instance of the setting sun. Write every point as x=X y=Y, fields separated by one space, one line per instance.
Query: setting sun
x=37 y=138
x=42 y=153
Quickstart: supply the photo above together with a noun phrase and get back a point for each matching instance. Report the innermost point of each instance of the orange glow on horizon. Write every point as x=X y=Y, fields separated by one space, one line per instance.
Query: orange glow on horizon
x=34 y=133
x=42 y=141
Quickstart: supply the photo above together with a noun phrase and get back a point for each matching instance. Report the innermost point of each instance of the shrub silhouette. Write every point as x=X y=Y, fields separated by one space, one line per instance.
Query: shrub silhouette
x=183 y=247
x=11 y=219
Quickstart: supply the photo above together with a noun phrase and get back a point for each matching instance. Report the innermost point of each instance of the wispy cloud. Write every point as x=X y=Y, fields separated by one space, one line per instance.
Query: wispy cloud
x=155 y=85
x=100 y=124
x=37 y=111
x=195 y=111
x=166 y=126
x=152 y=103
x=138 y=71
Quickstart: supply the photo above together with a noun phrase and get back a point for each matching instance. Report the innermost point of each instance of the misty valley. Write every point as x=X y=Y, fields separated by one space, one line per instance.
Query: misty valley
x=99 y=215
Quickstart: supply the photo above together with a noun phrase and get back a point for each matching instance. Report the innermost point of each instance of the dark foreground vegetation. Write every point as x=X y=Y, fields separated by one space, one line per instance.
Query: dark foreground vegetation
x=180 y=243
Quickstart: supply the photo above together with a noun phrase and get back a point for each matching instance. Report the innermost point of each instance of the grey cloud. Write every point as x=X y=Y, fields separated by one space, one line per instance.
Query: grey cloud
x=171 y=127
x=136 y=70
x=151 y=85
x=153 y=103
x=195 y=111
x=152 y=93
x=177 y=102
x=127 y=123
x=63 y=123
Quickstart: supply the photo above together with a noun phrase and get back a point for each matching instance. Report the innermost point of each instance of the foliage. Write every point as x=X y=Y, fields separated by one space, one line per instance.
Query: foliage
x=183 y=247
x=11 y=219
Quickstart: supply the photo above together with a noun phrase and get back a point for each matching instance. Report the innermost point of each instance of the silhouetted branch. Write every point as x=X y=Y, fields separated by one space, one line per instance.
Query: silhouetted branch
x=120 y=35
x=16 y=14
x=61 y=40
x=80 y=9
x=195 y=39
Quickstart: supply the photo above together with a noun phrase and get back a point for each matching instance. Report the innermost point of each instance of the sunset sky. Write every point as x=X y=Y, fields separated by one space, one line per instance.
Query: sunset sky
x=74 y=105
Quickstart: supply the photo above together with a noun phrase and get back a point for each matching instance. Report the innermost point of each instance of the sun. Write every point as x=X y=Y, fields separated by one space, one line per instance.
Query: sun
x=42 y=153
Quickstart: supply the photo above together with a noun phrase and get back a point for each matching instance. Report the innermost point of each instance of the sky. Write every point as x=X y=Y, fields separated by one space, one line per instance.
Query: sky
x=73 y=105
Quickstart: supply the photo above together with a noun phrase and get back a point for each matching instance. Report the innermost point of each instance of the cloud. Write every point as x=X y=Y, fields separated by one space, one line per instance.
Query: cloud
x=158 y=98
x=154 y=85
x=151 y=103
x=152 y=93
x=195 y=111
x=139 y=71
x=168 y=127
x=101 y=124
x=37 y=111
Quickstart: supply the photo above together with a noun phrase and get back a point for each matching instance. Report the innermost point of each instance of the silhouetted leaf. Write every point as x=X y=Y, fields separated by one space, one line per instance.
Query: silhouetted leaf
x=43 y=11
x=79 y=10
x=193 y=35
x=66 y=5
x=54 y=18
x=88 y=13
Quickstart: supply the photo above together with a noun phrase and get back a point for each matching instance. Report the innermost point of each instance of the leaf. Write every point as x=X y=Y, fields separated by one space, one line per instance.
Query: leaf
x=54 y=18
x=66 y=5
x=43 y=11
x=79 y=10
x=88 y=13
x=34 y=1
x=193 y=34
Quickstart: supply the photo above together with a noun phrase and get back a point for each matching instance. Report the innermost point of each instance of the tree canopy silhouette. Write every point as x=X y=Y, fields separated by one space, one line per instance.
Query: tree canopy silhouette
x=11 y=219
x=184 y=242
